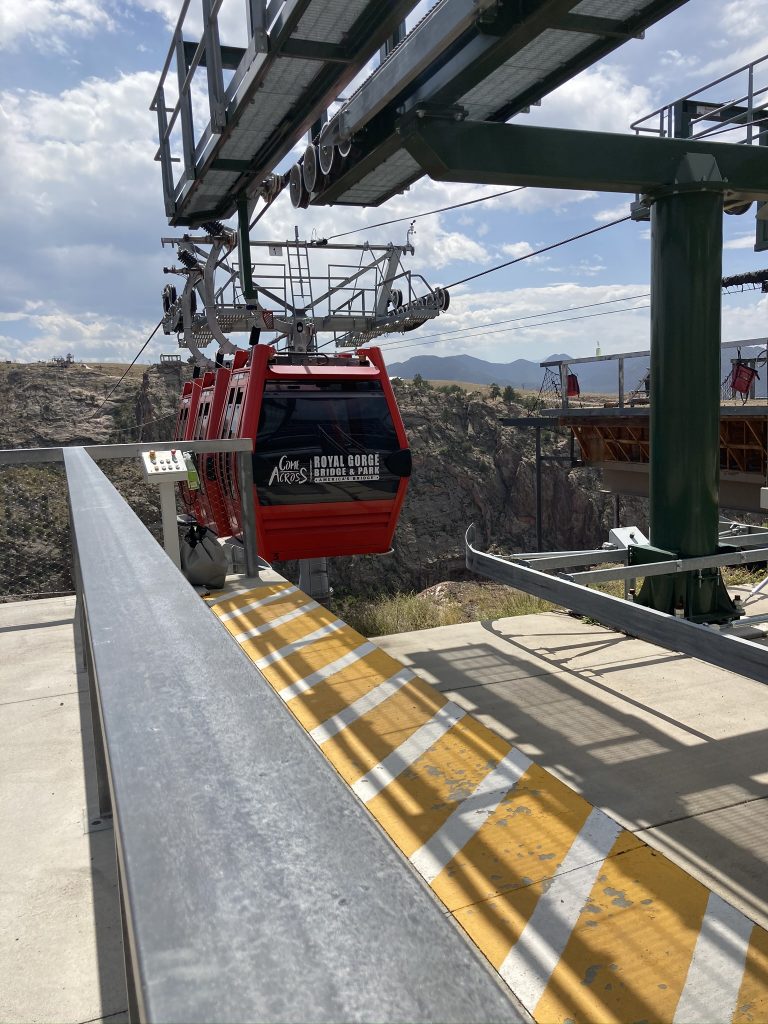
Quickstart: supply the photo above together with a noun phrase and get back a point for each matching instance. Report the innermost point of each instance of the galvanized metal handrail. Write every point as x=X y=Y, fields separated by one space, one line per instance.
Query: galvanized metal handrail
x=242 y=447
x=253 y=884
x=729 y=652
x=19 y=456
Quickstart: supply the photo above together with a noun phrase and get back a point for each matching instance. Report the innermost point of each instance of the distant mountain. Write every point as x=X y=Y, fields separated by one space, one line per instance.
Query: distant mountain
x=523 y=373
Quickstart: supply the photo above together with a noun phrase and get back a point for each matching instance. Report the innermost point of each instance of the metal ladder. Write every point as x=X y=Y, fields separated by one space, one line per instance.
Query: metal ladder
x=299 y=274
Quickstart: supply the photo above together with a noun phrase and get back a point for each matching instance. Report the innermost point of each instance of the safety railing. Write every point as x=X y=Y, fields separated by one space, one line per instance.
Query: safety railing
x=561 y=385
x=35 y=544
x=541 y=575
x=699 y=115
x=253 y=885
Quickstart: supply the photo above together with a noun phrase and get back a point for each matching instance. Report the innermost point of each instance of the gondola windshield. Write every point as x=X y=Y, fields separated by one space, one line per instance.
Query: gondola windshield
x=326 y=442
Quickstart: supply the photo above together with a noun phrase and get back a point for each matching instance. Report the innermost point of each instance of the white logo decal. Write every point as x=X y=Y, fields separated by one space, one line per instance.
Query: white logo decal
x=288 y=471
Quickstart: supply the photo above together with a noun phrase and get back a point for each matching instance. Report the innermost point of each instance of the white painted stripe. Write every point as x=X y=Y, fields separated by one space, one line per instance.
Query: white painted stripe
x=469 y=817
x=528 y=966
x=265 y=627
x=418 y=743
x=362 y=706
x=227 y=595
x=301 y=685
x=297 y=645
x=257 y=604
x=717 y=968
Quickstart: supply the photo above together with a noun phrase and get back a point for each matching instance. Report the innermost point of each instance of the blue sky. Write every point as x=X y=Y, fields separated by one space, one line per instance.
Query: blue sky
x=82 y=216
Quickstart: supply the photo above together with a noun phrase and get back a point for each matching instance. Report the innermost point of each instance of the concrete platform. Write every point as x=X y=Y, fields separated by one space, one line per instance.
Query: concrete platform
x=61 y=955
x=670 y=747
x=674 y=749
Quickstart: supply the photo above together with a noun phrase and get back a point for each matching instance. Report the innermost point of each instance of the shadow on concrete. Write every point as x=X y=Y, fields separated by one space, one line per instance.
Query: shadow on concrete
x=640 y=773
x=34 y=625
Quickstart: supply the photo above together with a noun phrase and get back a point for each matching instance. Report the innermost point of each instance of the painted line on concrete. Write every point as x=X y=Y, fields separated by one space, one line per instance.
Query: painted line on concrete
x=403 y=756
x=469 y=817
x=528 y=966
x=717 y=967
x=580 y=917
x=269 y=626
x=319 y=675
x=258 y=604
x=297 y=645
x=231 y=594
x=333 y=726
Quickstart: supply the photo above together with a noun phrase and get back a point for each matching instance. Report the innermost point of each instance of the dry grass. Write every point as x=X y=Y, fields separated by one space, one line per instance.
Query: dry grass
x=464 y=602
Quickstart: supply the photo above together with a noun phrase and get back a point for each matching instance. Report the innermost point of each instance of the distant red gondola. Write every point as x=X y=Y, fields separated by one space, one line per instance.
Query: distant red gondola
x=331 y=461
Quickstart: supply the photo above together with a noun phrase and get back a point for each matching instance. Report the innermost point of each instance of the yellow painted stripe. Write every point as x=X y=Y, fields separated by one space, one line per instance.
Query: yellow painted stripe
x=360 y=746
x=752 y=1002
x=288 y=632
x=416 y=804
x=625 y=952
x=261 y=616
x=343 y=688
x=628 y=957
x=243 y=597
x=322 y=652
x=523 y=841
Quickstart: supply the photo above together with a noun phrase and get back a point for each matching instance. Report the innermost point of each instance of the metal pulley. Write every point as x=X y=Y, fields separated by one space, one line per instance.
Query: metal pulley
x=310 y=168
x=299 y=193
x=329 y=158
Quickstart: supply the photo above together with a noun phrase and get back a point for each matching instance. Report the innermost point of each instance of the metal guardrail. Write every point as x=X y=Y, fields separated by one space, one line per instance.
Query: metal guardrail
x=732 y=653
x=744 y=111
x=561 y=367
x=54 y=534
x=254 y=886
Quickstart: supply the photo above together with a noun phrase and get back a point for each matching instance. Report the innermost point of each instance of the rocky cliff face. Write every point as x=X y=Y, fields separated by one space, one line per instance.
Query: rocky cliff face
x=467 y=468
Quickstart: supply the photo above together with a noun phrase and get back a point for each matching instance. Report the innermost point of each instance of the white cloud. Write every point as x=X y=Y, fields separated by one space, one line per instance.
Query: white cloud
x=86 y=209
x=577 y=332
x=47 y=23
x=87 y=336
x=744 y=19
x=601 y=98
x=231 y=18
x=742 y=242
x=517 y=249
x=613 y=213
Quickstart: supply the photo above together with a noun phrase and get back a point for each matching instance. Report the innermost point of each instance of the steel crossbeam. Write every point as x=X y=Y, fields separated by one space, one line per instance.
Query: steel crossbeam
x=514 y=154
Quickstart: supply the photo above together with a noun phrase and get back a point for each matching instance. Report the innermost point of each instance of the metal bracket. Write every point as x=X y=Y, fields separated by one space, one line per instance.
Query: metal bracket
x=95 y=822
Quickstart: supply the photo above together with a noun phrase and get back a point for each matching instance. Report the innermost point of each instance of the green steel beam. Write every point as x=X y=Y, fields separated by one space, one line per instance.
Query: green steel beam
x=512 y=154
x=231 y=56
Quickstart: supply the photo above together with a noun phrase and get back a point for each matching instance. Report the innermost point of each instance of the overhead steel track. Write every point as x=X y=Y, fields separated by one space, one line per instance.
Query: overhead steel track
x=300 y=55
x=483 y=59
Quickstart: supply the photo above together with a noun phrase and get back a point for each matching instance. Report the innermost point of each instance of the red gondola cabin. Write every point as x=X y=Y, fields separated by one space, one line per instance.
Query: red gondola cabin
x=331 y=461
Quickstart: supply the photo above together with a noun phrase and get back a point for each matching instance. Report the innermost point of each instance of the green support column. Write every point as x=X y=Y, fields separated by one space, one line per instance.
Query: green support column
x=686 y=273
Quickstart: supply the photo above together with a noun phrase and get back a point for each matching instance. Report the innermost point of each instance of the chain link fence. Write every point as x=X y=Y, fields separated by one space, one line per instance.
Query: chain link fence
x=35 y=544
x=35 y=541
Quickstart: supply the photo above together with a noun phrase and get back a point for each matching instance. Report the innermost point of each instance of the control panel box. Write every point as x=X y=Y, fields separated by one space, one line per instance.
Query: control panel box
x=764 y=497
x=159 y=465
